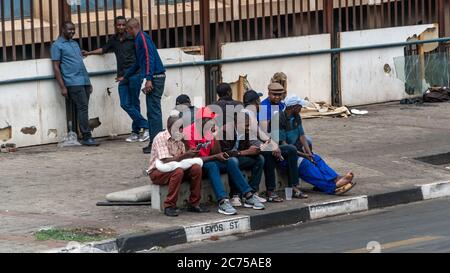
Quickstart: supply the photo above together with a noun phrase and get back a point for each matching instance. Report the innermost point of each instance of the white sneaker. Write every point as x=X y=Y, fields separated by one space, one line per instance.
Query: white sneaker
x=145 y=136
x=253 y=202
x=236 y=201
x=262 y=200
x=132 y=138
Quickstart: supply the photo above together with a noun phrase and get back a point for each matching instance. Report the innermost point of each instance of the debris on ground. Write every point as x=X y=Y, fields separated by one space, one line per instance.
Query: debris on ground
x=71 y=139
x=323 y=109
x=8 y=148
x=437 y=94
x=416 y=100
x=359 y=112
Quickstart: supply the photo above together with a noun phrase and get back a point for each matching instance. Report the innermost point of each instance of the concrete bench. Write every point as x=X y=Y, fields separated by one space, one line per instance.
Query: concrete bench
x=159 y=193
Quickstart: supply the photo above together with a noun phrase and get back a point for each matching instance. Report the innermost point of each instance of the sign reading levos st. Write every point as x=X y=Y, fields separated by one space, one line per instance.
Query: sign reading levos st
x=218 y=228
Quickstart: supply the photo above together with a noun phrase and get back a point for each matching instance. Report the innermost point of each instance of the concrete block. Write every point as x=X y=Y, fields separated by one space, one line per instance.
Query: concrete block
x=132 y=195
x=338 y=207
x=436 y=190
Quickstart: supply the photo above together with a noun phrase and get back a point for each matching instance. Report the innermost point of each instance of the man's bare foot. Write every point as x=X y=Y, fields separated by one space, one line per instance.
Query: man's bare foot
x=345 y=179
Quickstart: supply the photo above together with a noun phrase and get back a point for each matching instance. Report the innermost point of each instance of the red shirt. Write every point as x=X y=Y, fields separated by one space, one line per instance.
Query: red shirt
x=193 y=138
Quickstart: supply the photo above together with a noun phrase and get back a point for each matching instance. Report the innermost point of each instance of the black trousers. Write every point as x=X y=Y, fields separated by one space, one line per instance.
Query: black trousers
x=79 y=95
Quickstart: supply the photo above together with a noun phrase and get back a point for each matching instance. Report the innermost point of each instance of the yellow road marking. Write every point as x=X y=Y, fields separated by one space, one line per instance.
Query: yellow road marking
x=396 y=244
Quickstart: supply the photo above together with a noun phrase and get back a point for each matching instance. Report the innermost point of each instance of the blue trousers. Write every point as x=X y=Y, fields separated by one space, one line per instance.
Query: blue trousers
x=129 y=92
x=256 y=165
x=154 y=114
x=213 y=169
x=320 y=174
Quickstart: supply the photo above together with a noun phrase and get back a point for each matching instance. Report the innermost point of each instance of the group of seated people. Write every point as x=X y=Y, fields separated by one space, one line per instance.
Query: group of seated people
x=230 y=137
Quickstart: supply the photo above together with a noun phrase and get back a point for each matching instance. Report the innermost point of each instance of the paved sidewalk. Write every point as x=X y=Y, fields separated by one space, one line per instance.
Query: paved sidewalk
x=47 y=186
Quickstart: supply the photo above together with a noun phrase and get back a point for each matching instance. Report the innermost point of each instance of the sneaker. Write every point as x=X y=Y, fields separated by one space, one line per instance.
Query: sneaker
x=132 y=138
x=262 y=200
x=171 y=212
x=145 y=136
x=236 y=201
x=147 y=149
x=226 y=208
x=89 y=142
x=253 y=202
x=198 y=209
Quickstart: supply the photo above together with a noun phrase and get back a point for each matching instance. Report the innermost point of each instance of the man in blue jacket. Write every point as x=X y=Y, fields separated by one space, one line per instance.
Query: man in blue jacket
x=153 y=71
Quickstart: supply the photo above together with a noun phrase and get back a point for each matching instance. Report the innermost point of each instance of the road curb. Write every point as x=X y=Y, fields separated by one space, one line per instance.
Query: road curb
x=243 y=224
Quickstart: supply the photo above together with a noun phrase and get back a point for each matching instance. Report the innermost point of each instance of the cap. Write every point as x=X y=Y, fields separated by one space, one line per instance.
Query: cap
x=204 y=112
x=295 y=100
x=182 y=99
x=274 y=86
x=251 y=96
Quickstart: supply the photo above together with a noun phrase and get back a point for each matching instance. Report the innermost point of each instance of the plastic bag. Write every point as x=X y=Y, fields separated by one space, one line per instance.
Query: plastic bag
x=71 y=139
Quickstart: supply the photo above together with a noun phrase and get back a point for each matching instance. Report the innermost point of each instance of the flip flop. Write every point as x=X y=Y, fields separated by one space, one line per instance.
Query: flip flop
x=345 y=188
x=274 y=198
x=297 y=193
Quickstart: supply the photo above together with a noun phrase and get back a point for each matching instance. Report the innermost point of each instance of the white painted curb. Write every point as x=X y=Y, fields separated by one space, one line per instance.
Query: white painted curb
x=230 y=226
x=435 y=190
x=343 y=206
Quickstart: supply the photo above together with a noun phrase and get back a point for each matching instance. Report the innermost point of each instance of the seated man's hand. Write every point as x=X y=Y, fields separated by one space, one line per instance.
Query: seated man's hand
x=277 y=153
x=254 y=150
x=119 y=79
x=232 y=153
x=222 y=157
x=190 y=154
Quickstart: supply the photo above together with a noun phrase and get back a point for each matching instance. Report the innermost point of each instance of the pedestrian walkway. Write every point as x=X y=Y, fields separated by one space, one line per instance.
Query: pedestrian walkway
x=47 y=186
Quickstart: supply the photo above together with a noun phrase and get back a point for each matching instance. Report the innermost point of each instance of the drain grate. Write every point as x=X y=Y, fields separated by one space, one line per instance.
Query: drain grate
x=438 y=159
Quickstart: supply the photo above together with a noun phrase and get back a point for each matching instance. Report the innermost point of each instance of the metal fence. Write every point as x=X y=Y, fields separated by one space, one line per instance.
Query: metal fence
x=29 y=26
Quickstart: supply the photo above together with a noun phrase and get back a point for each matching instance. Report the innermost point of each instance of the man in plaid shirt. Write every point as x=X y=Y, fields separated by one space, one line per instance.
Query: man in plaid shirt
x=168 y=146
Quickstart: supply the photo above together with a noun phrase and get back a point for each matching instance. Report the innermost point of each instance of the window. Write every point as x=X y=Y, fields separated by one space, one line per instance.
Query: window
x=100 y=5
x=16 y=15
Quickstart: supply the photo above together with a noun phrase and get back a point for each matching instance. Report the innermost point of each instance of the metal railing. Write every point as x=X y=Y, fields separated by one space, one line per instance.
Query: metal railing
x=29 y=26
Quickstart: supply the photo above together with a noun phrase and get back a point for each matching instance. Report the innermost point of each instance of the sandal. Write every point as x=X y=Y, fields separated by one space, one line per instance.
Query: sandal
x=345 y=188
x=297 y=193
x=274 y=198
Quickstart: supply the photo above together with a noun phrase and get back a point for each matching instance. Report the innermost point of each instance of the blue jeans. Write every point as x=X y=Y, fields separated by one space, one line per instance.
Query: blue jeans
x=129 y=92
x=319 y=174
x=154 y=114
x=256 y=165
x=213 y=169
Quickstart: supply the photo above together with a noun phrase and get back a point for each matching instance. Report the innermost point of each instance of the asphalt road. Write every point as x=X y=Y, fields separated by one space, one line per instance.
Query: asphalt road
x=418 y=227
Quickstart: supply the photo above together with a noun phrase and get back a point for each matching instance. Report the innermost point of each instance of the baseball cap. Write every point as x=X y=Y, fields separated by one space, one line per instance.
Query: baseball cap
x=295 y=100
x=182 y=99
x=274 y=86
x=204 y=112
x=251 y=96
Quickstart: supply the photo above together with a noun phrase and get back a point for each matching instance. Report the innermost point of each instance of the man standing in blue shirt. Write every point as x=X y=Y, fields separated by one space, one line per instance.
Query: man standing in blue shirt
x=153 y=71
x=73 y=78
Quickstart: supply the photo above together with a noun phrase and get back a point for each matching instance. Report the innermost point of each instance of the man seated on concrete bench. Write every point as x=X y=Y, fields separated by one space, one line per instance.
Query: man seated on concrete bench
x=168 y=146
x=184 y=105
x=202 y=132
x=244 y=148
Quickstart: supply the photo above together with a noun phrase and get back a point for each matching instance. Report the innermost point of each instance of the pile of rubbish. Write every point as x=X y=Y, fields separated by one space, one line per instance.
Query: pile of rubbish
x=323 y=109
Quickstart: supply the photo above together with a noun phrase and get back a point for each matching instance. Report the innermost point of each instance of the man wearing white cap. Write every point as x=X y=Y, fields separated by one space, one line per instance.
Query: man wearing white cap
x=313 y=170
